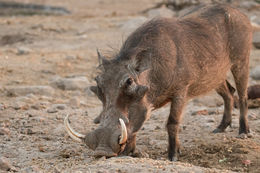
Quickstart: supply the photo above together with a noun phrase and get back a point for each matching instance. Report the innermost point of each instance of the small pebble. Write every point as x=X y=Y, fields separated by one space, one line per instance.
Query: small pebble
x=201 y=112
x=4 y=131
x=2 y=107
x=74 y=102
x=65 y=153
x=157 y=128
x=52 y=110
x=41 y=148
x=252 y=116
x=60 y=106
x=5 y=165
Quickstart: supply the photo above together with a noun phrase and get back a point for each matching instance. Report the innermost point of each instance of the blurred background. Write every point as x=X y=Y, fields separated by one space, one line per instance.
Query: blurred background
x=47 y=63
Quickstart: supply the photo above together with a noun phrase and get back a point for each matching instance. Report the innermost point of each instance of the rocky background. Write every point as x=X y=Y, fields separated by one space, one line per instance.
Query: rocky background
x=47 y=63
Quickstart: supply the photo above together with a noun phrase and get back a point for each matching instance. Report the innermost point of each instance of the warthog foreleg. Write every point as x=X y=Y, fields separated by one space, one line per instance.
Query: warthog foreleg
x=177 y=105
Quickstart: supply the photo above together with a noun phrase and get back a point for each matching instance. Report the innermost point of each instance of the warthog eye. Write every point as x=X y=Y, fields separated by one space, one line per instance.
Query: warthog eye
x=129 y=81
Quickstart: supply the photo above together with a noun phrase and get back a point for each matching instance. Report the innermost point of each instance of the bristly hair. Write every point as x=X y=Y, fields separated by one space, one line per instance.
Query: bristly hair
x=144 y=33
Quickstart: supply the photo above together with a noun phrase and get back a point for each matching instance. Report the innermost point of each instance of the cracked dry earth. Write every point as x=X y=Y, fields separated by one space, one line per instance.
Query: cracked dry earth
x=47 y=64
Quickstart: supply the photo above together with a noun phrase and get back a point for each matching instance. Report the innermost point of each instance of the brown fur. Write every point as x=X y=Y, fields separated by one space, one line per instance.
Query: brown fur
x=172 y=60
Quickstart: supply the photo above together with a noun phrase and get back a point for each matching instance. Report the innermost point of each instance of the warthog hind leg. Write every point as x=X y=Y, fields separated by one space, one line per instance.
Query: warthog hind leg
x=226 y=91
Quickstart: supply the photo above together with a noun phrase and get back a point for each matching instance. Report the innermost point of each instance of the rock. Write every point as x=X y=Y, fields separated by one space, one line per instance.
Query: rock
x=210 y=120
x=256 y=26
x=255 y=22
x=25 y=90
x=200 y=112
x=255 y=73
x=56 y=107
x=60 y=106
x=76 y=93
x=252 y=116
x=48 y=72
x=71 y=58
x=38 y=106
x=132 y=24
x=73 y=83
x=20 y=105
x=27 y=131
x=2 y=107
x=41 y=148
x=24 y=99
x=253 y=92
x=160 y=12
x=157 y=128
x=32 y=169
x=254 y=103
x=256 y=39
x=4 y=131
x=214 y=111
x=23 y=51
x=74 y=102
x=67 y=153
x=52 y=110
x=31 y=96
x=5 y=165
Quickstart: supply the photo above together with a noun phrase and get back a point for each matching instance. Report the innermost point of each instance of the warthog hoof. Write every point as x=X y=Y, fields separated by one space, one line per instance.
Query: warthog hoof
x=175 y=157
x=218 y=130
x=245 y=136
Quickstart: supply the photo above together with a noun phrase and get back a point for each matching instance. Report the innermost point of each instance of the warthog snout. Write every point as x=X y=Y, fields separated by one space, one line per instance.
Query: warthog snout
x=105 y=142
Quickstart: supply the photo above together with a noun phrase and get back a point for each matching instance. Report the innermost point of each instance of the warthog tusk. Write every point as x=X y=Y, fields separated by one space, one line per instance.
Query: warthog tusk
x=73 y=134
x=123 y=132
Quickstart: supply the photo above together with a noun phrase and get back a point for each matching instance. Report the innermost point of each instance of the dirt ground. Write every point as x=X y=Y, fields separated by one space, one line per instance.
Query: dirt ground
x=35 y=50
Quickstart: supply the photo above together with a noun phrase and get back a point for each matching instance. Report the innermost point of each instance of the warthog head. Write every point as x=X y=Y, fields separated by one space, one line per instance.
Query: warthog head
x=122 y=88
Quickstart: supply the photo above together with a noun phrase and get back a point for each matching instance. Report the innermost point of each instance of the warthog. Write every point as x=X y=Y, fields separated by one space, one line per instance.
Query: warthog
x=170 y=60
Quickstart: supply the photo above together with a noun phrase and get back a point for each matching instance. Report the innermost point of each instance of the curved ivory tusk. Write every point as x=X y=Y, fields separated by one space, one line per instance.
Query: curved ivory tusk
x=73 y=134
x=123 y=132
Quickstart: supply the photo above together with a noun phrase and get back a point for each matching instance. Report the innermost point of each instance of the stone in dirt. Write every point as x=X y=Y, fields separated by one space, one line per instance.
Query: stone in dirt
x=201 y=112
x=73 y=83
x=20 y=105
x=60 y=106
x=52 y=110
x=56 y=107
x=256 y=40
x=74 y=102
x=5 y=165
x=255 y=73
x=32 y=169
x=2 y=107
x=23 y=51
x=25 y=90
x=254 y=103
x=4 y=131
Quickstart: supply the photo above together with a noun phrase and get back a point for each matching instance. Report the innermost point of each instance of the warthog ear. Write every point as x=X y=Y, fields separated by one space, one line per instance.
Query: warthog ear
x=98 y=93
x=102 y=61
x=141 y=61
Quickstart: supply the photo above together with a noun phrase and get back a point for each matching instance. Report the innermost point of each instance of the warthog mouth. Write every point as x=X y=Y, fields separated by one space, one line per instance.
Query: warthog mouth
x=99 y=151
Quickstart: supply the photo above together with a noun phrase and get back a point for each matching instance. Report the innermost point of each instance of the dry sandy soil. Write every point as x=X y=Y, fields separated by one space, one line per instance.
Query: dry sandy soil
x=37 y=50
